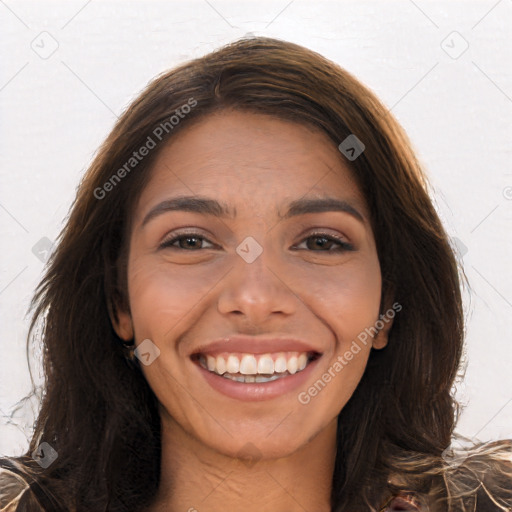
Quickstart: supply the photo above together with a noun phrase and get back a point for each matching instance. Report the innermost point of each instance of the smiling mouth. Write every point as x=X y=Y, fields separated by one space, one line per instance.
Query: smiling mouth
x=255 y=368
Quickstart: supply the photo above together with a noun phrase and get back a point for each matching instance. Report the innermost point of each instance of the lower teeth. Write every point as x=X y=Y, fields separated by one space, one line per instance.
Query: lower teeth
x=254 y=378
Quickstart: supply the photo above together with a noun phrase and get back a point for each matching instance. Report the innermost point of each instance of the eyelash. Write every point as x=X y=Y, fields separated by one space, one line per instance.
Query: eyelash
x=343 y=246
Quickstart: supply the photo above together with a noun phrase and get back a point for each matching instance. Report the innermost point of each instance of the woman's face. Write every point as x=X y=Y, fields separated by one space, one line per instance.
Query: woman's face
x=299 y=287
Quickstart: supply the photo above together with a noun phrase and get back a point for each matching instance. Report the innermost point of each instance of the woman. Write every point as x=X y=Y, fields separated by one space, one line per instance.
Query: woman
x=253 y=306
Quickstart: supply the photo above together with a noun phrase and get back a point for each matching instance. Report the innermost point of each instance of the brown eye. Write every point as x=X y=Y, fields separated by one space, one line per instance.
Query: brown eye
x=189 y=241
x=326 y=242
x=316 y=242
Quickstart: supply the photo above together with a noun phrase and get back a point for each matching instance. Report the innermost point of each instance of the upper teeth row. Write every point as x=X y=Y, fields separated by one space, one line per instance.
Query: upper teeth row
x=251 y=364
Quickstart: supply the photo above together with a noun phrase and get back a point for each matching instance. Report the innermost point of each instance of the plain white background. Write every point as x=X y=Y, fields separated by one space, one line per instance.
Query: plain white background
x=443 y=68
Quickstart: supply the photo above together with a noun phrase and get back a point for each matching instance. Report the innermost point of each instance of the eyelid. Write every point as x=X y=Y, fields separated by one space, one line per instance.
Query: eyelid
x=173 y=236
x=324 y=231
x=344 y=245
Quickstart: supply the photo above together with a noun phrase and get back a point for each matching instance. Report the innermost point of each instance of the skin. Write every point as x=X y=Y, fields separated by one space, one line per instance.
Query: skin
x=181 y=298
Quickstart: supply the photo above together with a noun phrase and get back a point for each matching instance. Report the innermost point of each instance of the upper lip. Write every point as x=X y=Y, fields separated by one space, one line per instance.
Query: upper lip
x=254 y=345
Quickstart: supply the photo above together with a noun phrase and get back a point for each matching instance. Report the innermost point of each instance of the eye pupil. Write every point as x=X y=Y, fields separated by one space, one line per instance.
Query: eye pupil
x=188 y=238
x=321 y=241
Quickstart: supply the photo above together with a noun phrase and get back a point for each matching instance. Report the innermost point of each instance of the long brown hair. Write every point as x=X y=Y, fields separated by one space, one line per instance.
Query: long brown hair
x=99 y=413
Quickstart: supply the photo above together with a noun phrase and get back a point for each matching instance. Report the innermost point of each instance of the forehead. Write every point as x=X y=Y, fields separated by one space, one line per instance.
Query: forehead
x=251 y=161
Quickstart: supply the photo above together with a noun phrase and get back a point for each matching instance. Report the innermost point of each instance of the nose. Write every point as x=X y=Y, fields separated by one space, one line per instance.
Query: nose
x=257 y=290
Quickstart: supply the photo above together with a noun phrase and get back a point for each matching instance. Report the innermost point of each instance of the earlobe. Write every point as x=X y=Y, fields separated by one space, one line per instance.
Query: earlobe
x=124 y=326
x=385 y=322
x=380 y=340
x=121 y=322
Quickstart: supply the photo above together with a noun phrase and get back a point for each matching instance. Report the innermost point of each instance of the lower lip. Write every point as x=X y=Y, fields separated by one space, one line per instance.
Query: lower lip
x=257 y=391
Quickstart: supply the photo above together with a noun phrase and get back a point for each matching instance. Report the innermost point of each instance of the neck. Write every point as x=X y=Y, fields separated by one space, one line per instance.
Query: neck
x=196 y=478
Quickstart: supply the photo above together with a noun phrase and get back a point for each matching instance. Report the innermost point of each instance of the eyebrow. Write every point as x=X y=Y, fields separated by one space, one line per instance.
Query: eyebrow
x=208 y=206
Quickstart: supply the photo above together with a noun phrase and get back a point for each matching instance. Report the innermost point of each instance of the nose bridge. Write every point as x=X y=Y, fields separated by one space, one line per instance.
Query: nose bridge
x=252 y=287
x=253 y=261
x=255 y=244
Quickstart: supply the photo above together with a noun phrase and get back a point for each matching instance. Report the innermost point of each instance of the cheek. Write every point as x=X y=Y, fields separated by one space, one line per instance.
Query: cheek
x=347 y=297
x=348 y=301
x=161 y=295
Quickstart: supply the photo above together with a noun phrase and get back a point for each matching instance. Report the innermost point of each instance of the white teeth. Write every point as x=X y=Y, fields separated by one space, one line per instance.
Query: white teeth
x=238 y=378
x=252 y=378
x=211 y=363
x=248 y=365
x=255 y=367
x=292 y=365
x=221 y=365
x=233 y=364
x=266 y=365
x=280 y=363
x=261 y=378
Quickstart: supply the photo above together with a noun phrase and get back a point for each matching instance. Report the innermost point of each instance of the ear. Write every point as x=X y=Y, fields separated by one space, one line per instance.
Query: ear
x=386 y=318
x=121 y=319
x=380 y=340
